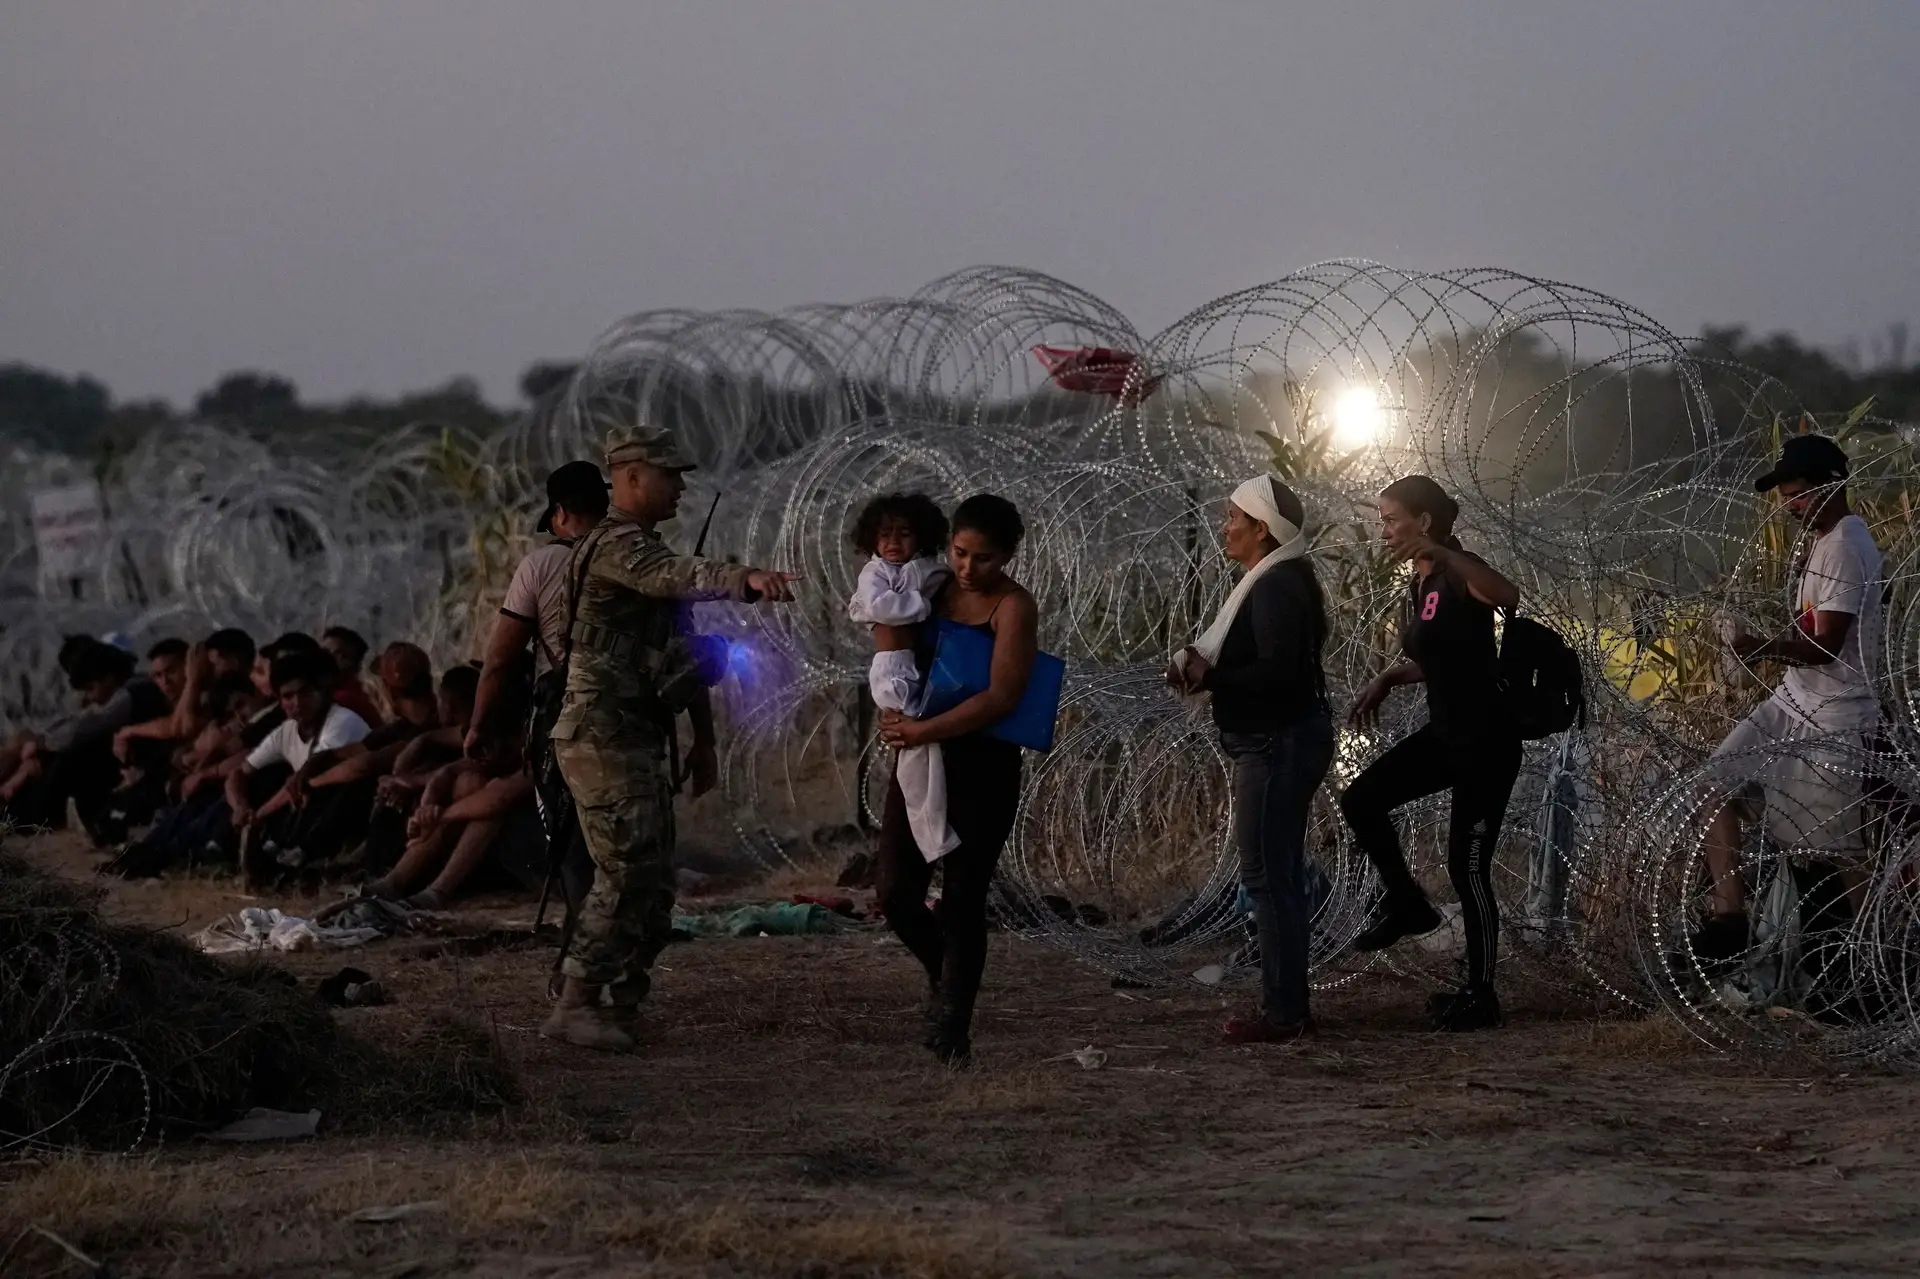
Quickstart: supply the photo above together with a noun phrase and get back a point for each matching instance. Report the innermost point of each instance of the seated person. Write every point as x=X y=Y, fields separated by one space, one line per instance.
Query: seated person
x=348 y=652
x=405 y=770
x=146 y=748
x=468 y=807
x=335 y=795
x=196 y=823
x=223 y=655
x=406 y=685
x=314 y=729
x=74 y=759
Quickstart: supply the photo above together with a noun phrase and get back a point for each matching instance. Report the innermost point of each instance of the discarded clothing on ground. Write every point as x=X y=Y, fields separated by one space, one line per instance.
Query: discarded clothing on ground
x=254 y=928
x=775 y=919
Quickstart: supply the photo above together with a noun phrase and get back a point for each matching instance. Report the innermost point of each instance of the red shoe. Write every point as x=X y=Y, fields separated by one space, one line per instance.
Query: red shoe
x=1257 y=1029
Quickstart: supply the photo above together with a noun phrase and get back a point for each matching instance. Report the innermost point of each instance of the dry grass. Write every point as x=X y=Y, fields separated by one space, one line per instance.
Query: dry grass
x=109 y=1206
x=836 y=1244
x=1655 y=1038
x=781 y=1118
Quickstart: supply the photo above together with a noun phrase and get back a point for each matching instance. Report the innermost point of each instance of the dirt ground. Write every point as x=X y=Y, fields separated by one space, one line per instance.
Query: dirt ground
x=782 y=1119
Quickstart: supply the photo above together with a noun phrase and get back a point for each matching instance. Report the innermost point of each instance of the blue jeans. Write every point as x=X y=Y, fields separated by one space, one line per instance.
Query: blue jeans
x=1274 y=778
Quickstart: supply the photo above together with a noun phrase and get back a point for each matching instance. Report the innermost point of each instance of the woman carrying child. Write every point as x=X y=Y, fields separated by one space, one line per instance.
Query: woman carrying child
x=981 y=772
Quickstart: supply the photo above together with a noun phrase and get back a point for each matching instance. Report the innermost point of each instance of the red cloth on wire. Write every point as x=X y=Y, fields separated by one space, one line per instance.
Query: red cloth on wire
x=1097 y=370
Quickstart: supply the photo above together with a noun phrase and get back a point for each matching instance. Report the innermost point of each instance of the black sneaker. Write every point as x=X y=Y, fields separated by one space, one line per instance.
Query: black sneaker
x=1394 y=924
x=1469 y=1008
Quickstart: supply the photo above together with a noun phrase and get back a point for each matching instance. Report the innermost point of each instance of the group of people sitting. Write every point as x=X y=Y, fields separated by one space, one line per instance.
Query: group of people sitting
x=283 y=760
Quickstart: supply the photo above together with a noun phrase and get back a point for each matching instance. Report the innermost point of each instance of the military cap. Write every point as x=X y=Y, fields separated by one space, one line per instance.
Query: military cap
x=642 y=443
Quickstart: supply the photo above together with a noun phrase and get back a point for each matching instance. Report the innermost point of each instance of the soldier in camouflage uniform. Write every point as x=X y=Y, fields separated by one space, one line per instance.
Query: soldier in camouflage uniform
x=629 y=673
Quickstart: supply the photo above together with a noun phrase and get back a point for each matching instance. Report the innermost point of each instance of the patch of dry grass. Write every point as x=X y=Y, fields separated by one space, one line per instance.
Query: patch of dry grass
x=1655 y=1038
x=114 y=1207
x=838 y=1243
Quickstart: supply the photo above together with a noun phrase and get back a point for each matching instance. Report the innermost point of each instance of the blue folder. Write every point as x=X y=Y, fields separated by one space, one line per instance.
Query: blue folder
x=962 y=666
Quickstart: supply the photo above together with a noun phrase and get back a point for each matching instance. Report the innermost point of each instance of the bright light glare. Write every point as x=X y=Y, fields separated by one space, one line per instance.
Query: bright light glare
x=1357 y=417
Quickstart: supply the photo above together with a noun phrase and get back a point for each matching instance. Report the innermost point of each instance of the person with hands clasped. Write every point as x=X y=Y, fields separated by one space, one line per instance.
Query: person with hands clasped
x=1468 y=745
x=1260 y=663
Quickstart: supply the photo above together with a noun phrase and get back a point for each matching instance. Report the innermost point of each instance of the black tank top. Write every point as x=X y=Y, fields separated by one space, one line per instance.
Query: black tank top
x=1450 y=634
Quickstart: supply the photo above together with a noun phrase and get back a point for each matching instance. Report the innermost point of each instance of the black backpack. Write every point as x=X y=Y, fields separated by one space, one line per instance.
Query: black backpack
x=1540 y=677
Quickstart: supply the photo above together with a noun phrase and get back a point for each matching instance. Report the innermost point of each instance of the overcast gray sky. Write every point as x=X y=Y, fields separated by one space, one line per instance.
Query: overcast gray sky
x=377 y=196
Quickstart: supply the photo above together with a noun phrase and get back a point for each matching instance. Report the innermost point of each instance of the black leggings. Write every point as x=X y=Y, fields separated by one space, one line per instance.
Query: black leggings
x=1481 y=778
x=983 y=792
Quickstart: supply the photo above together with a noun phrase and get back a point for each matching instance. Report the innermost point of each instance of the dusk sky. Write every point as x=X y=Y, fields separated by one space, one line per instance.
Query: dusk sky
x=379 y=196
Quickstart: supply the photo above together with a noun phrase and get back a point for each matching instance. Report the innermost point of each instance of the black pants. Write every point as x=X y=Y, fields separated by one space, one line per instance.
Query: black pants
x=1481 y=778
x=983 y=793
x=334 y=819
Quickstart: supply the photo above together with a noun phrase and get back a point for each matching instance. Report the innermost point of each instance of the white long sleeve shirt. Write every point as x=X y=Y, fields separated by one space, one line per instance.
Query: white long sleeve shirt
x=896 y=594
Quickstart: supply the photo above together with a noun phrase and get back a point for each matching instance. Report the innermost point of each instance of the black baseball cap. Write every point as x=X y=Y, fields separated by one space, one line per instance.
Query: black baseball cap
x=1813 y=458
x=578 y=486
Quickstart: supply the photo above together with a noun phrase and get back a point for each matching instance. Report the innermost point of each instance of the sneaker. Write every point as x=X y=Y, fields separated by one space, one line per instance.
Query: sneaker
x=1258 y=1028
x=1396 y=923
x=1469 y=1008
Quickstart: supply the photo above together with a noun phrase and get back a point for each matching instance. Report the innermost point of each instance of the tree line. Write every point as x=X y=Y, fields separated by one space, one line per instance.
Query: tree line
x=79 y=415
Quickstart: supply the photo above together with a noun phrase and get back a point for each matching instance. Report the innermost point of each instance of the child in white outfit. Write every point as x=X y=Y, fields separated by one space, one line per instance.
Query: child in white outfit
x=903 y=533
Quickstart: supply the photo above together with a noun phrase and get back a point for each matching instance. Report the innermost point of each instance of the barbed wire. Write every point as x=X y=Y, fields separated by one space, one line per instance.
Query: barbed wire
x=1598 y=459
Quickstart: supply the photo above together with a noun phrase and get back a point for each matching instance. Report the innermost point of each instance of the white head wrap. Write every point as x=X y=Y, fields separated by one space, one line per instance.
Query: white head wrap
x=1256 y=499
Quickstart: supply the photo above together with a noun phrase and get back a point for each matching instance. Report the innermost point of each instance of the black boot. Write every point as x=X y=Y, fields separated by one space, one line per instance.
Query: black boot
x=949 y=1038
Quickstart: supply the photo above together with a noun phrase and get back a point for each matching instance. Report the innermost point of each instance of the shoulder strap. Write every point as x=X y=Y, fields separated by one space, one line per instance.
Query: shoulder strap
x=576 y=582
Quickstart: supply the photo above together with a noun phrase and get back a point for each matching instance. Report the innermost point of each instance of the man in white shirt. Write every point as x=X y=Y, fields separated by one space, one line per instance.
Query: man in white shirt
x=307 y=741
x=1812 y=792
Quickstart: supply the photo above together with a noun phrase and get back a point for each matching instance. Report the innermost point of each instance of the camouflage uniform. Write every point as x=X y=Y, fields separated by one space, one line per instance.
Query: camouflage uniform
x=629 y=673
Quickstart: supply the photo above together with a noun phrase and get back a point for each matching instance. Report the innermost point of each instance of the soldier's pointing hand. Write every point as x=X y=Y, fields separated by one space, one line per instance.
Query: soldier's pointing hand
x=772 y=586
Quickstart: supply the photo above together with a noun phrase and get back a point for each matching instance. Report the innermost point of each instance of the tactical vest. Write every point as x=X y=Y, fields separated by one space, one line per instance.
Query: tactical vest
x=626 y=651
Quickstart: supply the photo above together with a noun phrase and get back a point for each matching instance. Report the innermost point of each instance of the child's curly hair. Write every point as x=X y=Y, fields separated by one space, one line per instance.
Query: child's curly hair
x=922 y=514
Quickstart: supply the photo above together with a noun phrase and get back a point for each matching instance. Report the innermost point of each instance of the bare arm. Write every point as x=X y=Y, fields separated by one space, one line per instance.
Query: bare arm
x=237 y=795
x=509 y=639
x=1366 y=707
x=1483 y=581
x=186 y=711
x=163 y=729
x=411 y=768
x=362 y=766
x=1830 y=631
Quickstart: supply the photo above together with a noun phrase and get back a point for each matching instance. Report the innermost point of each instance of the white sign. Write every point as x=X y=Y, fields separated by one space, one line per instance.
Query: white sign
x=69 y=531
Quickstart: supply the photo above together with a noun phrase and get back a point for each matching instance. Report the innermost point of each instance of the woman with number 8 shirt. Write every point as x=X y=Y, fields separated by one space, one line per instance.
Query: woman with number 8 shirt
x=1468 y=745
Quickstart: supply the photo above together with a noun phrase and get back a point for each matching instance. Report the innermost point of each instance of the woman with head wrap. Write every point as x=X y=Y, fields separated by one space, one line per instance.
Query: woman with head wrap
x=1468 y=744
x=1260 y=662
